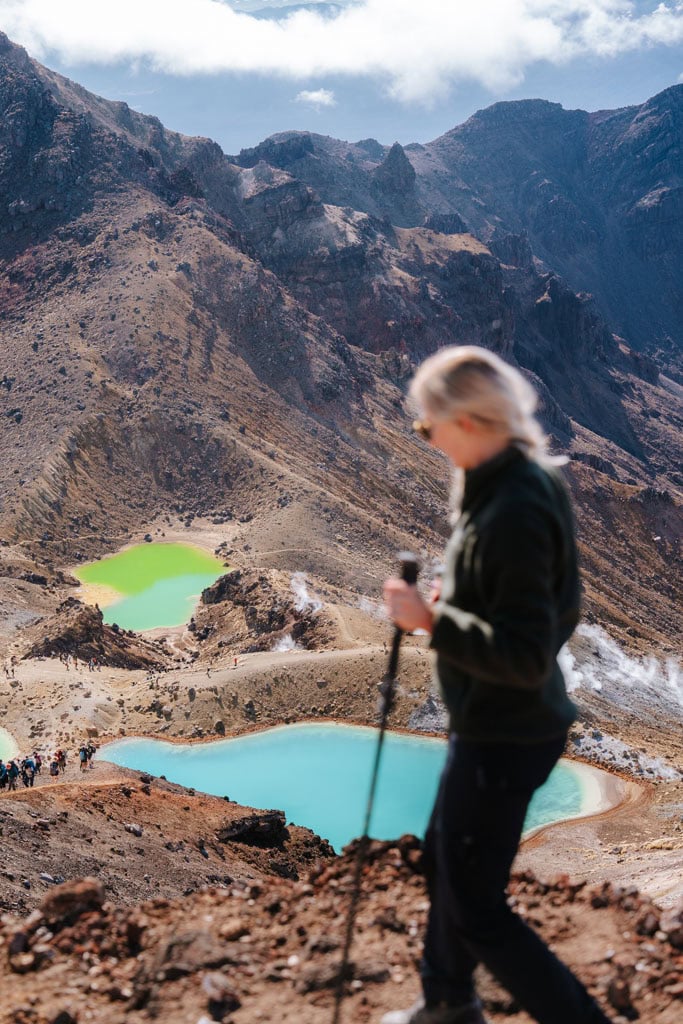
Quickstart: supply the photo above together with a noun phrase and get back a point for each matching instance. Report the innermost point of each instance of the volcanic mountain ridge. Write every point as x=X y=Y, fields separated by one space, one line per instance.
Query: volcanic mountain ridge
x=187 y=335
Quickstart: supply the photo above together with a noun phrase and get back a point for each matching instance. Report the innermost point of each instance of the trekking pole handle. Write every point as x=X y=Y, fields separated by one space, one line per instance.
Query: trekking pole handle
x=409 y=567
x=409 y=570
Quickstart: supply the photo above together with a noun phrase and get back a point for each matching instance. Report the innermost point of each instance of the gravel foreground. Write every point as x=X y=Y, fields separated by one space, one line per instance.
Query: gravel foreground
x=270 y=950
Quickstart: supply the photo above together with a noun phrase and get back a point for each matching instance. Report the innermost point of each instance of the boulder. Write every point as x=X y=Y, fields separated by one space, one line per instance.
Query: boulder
x=266 y=828
x=63 y=904
x=191 y=952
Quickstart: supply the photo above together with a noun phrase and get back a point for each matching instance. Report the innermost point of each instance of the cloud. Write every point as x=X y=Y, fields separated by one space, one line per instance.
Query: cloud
x=316 y=98
x=419 y=49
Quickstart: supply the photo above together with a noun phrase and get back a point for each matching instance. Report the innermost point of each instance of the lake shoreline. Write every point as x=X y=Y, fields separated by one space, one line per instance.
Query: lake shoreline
x=117 y=703
x=603 y=790
x=599 y=791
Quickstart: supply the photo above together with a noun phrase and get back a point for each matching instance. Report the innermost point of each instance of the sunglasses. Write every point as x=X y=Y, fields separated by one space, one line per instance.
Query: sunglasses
x=423 y=428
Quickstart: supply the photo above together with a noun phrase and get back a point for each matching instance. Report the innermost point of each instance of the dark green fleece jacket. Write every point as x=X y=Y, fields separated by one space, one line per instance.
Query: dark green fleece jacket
x=509 y=601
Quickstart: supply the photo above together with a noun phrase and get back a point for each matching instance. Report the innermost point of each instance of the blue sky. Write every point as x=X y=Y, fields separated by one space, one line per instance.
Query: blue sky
x=239 y=70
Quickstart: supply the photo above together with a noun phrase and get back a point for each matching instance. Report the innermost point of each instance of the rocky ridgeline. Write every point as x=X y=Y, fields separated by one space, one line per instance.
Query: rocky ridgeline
x=271 y=949
x=142 y=837
x=80 y=630
x=246 y=611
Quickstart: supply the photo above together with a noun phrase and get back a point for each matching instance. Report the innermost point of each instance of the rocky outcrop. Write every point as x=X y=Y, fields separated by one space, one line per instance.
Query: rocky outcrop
x=393 y=186
x=79 y=630
x=275 y=205
x=279 y=151
x=247 y=610
x=265 y=611
x=60 y=147
x=446 y=223
x=571 y=323
x=226 y=588
x=266 y=828
x=395 y=176
x=512 y=249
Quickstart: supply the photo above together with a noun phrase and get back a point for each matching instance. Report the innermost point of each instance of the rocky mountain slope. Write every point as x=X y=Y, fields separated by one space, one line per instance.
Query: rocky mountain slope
x=270 y=949
x=142 y=837
x=597 y=195
x=185 y=335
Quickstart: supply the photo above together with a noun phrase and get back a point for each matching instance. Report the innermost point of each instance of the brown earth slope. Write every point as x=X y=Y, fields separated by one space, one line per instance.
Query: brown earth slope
x=141 y=836
x=270 y=950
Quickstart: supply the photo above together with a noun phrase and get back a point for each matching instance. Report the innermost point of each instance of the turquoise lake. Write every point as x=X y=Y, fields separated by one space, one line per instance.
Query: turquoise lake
x=148 y=586
x=319 y=775
x=7 y=745
x=169 y=602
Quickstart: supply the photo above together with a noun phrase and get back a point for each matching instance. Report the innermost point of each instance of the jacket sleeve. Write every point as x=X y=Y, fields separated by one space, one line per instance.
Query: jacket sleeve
x=511 y=644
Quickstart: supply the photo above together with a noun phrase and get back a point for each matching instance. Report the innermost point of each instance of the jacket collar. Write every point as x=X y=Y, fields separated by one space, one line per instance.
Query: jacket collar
x=481 y=478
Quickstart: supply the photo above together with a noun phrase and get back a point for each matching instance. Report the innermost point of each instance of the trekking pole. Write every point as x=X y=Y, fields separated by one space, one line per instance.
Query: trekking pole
x=409 y=570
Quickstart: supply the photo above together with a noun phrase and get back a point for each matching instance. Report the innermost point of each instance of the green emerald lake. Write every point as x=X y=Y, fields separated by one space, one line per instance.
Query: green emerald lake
x=151 y=585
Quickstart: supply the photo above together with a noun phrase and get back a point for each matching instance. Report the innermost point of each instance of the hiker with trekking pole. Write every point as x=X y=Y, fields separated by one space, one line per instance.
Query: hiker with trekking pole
x=509 y=600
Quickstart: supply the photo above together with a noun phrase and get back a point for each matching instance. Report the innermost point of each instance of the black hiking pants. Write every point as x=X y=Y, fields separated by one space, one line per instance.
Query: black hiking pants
x=471 y=842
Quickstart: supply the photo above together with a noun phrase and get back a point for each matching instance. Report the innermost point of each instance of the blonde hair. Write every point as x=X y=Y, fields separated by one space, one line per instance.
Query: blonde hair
x=472 y=380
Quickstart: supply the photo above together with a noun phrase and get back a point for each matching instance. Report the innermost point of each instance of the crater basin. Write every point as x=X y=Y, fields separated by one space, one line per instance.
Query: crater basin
x=319 y=775
x=149 y=586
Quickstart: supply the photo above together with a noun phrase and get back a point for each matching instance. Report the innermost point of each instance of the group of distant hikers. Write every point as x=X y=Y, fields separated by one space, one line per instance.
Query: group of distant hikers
x=70 y=659
x=9 y=665
x=27 y=768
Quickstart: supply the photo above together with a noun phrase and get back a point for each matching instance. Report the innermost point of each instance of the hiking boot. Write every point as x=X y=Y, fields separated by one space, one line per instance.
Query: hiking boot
x=419 y=1013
